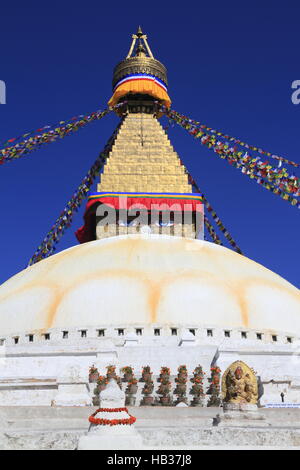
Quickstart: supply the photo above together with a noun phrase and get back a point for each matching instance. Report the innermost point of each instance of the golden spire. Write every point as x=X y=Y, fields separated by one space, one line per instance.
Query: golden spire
x=140 y=74
x=143 y=160
x=140 y=36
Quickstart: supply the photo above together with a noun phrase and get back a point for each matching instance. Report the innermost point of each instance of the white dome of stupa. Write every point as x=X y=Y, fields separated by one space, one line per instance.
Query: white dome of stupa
x=145 y=280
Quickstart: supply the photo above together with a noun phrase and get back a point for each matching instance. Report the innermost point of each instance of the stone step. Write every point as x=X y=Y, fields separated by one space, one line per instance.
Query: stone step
x=152 y=177
x=130 y=146
x=151 y=188
x=143 y=158
x=140 y=167
x=155 y=133
x=146 y=153
x=142 y=141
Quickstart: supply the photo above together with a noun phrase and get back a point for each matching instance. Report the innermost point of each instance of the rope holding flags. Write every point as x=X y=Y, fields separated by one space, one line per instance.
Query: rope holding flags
x=48 y=134
x=64 y=221
x=212 y=232
x=239 y=142
x=215 y=217
x=15 y=140
x=275 y=180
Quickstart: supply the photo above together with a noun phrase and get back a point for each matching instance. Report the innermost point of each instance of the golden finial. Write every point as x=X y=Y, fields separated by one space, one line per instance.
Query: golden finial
x=139 y=60
x=141 y=37
x=139 y=32
x=140 y=51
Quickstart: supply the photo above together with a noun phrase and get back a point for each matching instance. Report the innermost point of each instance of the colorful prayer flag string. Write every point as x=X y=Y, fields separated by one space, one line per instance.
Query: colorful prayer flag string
x=240 y=143
x=64 y=221
x=215 y=217
x=212 y=232
x=52 y=134
x=15 y=140
x=275 y=180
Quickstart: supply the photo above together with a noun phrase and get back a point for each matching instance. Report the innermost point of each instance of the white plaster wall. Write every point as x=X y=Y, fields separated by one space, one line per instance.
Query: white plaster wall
x=18 y=374
x=27 y=397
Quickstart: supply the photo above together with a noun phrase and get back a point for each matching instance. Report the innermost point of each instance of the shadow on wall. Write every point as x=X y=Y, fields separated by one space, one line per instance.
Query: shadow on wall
x=260 y=389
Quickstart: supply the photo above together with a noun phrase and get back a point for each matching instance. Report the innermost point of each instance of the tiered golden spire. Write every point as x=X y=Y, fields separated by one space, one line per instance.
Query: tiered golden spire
x=143 y=160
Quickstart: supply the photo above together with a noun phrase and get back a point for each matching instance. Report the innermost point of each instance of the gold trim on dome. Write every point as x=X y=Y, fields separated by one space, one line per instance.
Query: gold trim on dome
x=139 y=65
x=137 y=61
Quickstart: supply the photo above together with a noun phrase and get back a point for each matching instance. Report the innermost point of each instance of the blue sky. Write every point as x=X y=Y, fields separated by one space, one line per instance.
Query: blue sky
x=230 y=66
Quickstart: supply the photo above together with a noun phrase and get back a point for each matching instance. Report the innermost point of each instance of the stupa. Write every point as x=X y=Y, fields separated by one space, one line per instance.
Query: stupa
x=143 y=287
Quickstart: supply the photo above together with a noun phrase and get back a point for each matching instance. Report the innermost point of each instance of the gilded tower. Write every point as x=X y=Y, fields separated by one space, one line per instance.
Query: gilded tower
x=144 y=186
